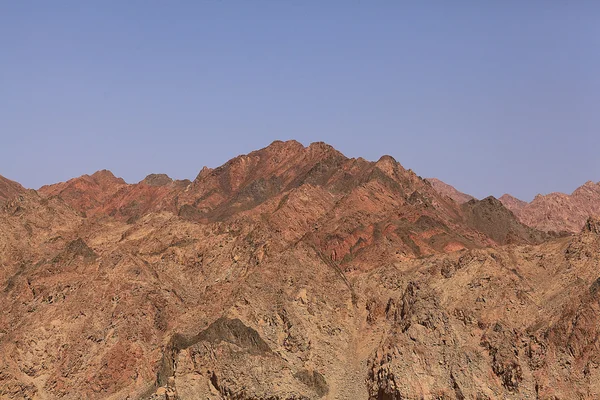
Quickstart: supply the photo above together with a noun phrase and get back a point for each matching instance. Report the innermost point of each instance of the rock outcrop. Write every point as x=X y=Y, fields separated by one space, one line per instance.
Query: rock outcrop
x=157 y=180
x=592 y=225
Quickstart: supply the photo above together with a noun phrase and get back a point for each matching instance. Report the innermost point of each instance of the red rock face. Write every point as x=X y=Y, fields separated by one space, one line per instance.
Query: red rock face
x=291 y=272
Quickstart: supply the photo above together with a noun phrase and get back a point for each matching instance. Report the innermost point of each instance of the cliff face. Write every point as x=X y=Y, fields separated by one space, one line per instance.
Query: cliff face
x=290 y=273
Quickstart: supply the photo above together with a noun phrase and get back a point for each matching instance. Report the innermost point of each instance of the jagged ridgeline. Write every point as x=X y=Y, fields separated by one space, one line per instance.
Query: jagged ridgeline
x=295 y=272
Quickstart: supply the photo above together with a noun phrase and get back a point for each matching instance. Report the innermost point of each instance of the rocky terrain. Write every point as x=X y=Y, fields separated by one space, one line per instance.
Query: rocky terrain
x=292 y=272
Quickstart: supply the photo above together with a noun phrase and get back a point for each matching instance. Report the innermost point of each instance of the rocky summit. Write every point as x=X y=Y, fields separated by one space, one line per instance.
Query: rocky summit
x=295 y=272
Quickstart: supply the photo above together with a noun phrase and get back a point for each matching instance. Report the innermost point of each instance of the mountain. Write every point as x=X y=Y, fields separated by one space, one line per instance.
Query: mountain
x=447 y=190
x=558 y=211
x=499 y=223
x=88 y=192
x=292 y=272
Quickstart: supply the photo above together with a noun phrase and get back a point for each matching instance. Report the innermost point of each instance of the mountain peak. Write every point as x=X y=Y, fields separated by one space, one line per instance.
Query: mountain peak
x=103 y=173
x=449 y=190
x=204 y=172
x=157 y=180
x=86 y=192
x=387 y=159
x=285 y=143
x=491 y=217
x=321 y=146
x=105 y=176
x=323 y=150
x=587 y=187
x=509 y=197
x=512 y=203
x=280 y=146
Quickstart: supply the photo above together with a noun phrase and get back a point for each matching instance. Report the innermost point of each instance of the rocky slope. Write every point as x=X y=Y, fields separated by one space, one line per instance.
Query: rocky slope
x=9 y=189
x=512 y=203
x=290 y=273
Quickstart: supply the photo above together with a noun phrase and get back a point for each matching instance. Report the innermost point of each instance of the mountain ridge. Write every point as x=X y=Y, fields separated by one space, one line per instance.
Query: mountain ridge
x=553 y=212
x=290 y=272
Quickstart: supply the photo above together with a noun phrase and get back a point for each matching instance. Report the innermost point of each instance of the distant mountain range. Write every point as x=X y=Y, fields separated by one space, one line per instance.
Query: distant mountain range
x=556 y=212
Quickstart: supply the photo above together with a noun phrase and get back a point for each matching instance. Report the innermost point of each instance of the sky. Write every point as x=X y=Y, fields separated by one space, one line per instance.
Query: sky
x=489 y=96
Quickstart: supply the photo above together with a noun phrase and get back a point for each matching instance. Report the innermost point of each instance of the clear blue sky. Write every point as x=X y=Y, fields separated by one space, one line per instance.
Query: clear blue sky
x=489 y=96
